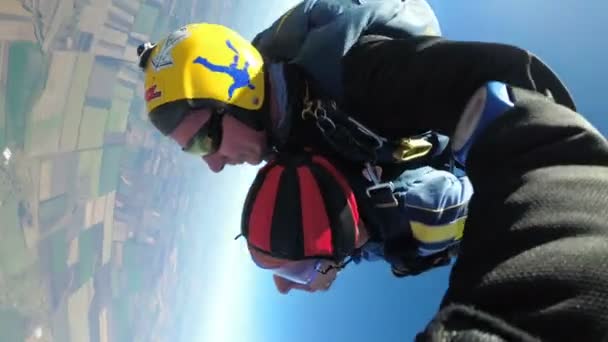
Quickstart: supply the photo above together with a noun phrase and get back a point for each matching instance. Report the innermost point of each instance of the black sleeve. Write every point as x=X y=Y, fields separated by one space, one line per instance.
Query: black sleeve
x=534 y=259
x=398 y=87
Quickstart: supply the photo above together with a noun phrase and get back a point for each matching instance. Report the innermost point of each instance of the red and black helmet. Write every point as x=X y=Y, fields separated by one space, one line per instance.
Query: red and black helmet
x=301 y=207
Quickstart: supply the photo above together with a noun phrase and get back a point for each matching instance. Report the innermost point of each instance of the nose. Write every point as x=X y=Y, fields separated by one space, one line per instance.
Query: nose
x=216 y=163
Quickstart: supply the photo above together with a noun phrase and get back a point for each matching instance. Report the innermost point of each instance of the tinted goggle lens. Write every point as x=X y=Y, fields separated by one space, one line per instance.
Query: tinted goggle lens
x=201 y=145
x=304 y=272
x=300 y=272
x=208 y=139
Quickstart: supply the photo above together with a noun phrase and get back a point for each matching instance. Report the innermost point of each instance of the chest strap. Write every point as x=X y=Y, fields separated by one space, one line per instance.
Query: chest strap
x=354 y=141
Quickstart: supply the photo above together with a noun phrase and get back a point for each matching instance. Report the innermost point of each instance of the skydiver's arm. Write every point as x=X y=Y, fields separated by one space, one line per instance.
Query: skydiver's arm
x=401 y=86
x=534 y=259
x=436 y=204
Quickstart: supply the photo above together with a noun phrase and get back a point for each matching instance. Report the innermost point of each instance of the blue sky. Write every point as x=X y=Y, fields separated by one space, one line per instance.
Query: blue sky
x=569 y=35
x=234 y=301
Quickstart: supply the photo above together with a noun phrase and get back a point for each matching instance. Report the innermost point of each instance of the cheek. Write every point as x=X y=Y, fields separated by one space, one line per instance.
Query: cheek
x=230 y=148
x=238 y=138
x=324 y=281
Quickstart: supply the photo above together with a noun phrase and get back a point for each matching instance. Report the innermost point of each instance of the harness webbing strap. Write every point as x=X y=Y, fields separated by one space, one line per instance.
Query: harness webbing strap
x=349 y=137
x=356 y=142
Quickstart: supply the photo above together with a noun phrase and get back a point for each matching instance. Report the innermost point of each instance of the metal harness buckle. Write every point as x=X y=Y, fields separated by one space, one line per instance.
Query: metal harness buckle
x=383 y=195
x=412 y=148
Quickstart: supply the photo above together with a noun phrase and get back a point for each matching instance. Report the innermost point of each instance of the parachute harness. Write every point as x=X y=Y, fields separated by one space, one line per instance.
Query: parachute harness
x=355 y=141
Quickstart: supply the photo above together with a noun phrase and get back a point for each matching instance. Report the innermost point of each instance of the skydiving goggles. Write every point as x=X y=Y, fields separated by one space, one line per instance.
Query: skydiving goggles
x=208 y=138
x=305 y=272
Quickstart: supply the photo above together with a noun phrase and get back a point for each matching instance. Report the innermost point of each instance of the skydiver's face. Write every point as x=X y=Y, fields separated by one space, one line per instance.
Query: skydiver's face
x=322 y=282
x=239 y=143
x=318 y=281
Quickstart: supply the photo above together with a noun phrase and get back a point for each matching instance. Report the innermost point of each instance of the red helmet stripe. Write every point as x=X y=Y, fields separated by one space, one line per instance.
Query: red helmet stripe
x=263 y=210
x=348 y=193
x=315 y=222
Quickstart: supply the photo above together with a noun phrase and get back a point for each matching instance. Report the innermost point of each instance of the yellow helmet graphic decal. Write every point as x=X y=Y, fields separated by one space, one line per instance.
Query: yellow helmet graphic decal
x=205 y=61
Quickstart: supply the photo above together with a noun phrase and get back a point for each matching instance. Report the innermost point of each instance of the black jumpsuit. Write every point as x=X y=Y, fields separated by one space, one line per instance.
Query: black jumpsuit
x=534 y=260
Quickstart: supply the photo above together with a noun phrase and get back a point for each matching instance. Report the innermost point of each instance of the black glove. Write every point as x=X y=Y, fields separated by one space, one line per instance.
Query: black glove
x=402 y=253
x=418 y=265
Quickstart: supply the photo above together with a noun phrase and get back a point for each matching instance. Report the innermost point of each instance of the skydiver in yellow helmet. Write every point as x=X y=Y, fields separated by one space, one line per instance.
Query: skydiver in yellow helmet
x=212 y=91
x=222 y=73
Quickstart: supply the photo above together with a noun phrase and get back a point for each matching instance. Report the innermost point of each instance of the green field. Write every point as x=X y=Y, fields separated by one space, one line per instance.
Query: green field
x=27 y=74
x=119 y=112
x=145 y=21
x=161 y=28
x=122 y=318
x=122 y=92
x=12 y=325
x=52 y=210
x=89 y=167
x=89 y=249
x=75 y=102
x=91 y=127
x=59 y=253
x=3 y=119
x=110 y=169
x=14 y=255
x=43 y=137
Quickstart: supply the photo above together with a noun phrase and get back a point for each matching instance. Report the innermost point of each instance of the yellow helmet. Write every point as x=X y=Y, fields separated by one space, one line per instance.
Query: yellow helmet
x=200 y=65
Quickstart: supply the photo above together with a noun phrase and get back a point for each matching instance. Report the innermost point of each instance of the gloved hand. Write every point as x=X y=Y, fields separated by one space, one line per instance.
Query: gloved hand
x=420 y=264
x=402 y=253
